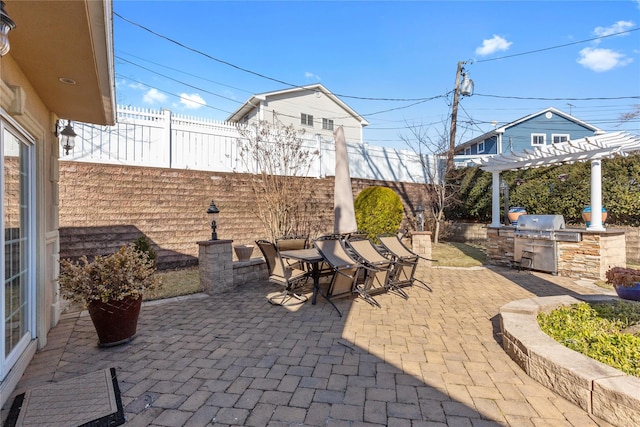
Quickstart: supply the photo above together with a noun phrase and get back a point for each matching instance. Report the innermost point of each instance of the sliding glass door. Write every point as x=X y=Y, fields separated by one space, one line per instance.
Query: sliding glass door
x=18 y=275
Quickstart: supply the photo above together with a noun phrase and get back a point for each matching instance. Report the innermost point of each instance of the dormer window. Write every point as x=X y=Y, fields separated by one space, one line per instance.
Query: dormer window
x=306 y=119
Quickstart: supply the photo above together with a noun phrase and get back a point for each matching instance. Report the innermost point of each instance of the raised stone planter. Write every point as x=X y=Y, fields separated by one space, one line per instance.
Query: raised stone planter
x=599 y=389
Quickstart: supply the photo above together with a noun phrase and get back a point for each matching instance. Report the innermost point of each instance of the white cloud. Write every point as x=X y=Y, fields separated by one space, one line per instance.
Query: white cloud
x=138 y=86
x=193 y=101
x=618 y=27
x=600 y=60
x=154 y=95
x=309 y=75
x=495 y=44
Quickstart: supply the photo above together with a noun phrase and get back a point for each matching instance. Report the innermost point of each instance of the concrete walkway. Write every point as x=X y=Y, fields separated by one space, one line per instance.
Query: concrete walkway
x=432 y=360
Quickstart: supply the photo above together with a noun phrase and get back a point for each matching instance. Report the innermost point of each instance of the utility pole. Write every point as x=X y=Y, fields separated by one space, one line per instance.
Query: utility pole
x=466 y=90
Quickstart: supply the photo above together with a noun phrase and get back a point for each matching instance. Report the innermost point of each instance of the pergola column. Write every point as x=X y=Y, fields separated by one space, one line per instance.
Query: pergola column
x=495 y=200
x=596 y=196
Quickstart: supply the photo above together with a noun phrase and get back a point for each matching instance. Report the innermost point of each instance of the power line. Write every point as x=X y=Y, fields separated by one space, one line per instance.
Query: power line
x=558 y=46
x=183 y=72
x=558 y=99
x=255 y=73
x=178 y=81
x=171 y=93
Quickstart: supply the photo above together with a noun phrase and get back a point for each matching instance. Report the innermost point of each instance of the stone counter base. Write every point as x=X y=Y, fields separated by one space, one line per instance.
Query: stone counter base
x=599 y=389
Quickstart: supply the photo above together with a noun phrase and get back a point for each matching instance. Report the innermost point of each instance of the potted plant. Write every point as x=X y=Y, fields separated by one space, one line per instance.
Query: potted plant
x=626 y=282
x=111 y=287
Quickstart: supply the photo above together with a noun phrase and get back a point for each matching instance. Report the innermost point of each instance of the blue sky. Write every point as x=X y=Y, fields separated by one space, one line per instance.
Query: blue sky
x=208 y=57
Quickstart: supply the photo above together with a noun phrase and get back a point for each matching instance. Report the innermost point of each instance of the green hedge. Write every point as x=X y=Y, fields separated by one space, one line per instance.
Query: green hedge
x=563 y=190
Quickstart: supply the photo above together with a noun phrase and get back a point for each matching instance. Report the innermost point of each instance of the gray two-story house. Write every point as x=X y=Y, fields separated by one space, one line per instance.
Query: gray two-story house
x=545 y=127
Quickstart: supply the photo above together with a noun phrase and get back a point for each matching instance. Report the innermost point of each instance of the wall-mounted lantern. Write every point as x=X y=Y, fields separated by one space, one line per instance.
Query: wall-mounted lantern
x=6 y=25
x=67 y=136
x=213 y=213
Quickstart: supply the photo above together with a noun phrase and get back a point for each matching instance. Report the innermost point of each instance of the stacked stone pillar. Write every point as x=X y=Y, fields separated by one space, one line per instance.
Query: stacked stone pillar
x=215 y=263
x=421 y=243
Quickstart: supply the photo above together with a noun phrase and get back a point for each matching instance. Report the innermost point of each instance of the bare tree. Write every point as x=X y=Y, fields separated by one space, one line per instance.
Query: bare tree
x=281 y=163
x=631 y=115
x=440 y=193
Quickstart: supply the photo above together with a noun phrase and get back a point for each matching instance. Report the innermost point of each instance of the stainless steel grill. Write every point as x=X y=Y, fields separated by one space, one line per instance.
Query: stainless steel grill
x=535 y=241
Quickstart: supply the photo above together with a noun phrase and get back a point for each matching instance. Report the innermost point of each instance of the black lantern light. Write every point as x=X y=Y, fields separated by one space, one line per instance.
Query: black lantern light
x=213 y=213
x=6 y=25
x=420 y=216
x=67 y=136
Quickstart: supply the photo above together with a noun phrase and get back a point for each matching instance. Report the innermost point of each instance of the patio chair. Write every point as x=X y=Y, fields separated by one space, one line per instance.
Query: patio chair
x=346 y=270
x=281 y=274
x=291 y=243
x=382 y=272
x=408 y=260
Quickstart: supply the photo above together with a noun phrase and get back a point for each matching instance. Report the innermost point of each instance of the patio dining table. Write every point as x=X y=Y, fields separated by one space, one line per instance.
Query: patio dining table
x=312 y=257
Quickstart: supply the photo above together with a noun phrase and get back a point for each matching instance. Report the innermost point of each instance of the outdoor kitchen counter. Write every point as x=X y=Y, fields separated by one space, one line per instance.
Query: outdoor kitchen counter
x=588 y=258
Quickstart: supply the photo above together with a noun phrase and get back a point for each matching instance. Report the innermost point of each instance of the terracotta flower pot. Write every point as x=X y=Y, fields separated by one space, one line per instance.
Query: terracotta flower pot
x=115 y=321
x=514 y=213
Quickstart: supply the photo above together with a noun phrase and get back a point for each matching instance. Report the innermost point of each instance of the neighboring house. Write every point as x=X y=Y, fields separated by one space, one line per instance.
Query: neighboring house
x=312 y=108
x=536 y=130
x=59 y=66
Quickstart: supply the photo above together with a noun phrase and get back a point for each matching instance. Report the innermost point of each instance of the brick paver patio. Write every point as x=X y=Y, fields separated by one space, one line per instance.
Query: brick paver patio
x=432 y=360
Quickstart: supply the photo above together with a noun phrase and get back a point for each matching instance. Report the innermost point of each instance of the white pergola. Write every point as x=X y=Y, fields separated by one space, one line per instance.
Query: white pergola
x=592 y=148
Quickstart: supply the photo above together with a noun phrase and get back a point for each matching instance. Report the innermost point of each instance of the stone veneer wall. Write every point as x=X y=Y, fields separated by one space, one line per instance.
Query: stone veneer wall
x=464 y=232
x=499 y=246
x=105 y=206
x=632 y=235
x=591 y=257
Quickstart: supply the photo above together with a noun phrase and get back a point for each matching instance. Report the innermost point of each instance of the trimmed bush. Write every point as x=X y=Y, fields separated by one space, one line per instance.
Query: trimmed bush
x=143 y=245
x=378 y=210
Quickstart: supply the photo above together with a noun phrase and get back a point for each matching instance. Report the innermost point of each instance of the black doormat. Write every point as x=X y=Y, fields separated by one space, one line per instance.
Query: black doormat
x=91 y=400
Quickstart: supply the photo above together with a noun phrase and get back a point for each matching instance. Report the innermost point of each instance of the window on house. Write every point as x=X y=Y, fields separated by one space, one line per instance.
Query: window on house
x=306 y=119
x=559 y=138
x=467 y=151
x=538 y=139
x=327 y=124
x=481 y=147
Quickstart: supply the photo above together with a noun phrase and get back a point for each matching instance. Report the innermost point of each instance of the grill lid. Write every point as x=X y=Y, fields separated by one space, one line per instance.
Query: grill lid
x=540 y=223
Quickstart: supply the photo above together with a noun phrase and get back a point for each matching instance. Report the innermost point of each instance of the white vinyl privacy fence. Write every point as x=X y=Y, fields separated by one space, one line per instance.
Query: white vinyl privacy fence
x=145 y=137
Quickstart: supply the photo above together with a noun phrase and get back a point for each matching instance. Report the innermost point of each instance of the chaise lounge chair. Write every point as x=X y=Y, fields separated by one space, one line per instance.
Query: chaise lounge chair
x=407 y=259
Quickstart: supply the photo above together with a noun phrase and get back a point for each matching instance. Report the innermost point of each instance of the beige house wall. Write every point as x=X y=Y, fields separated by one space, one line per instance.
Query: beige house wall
x=287 y=107
x=23 y=105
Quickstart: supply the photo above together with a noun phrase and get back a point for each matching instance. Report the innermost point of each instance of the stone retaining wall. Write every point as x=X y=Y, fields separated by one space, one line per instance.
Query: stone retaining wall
x=104 y=206
x=599 y=389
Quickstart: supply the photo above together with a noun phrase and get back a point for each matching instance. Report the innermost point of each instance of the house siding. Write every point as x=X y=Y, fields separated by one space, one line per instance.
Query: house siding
x=286 y=108
x=519 y=137
x=34 y=118
x=516 y=136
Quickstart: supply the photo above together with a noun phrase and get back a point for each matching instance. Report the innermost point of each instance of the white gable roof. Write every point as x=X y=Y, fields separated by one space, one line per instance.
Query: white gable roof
x=255 y=100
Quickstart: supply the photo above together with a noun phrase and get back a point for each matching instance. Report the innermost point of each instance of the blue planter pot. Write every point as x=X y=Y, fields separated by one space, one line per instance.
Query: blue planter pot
x=629 y=292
